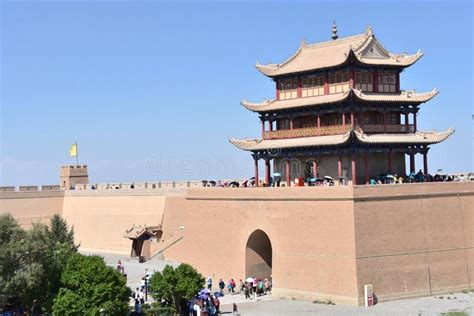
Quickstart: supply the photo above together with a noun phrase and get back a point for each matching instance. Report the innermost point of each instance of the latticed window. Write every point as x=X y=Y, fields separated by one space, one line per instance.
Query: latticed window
x=338 y=82
x=364 y=81
x=393 y=118
x=387 y=82
x=288 y=89
x=283 y=124
x=312 y=86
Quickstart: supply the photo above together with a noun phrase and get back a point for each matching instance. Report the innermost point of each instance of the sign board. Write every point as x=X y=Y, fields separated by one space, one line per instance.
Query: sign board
x=369 y=295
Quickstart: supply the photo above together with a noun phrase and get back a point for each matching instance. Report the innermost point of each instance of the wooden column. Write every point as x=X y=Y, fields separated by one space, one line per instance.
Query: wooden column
x=366 y=167
x=390 y=161
x=319 y=122
x=412 y=163
x=406 y=122
x=277 y=96
x=263 y=129
x=376 y=81
x=256 y=171
x=326 y=83
x=315 y=169
x=271 y=125
x=288 y=173
x=425 y=162
x=397 y=82
x=352 y=119
x=384 y=122
x=299 y=92
x=414 y=122
x=339 y=167
x=343 y=119
x=353 y=169
x=351 y=79
x=267 y=172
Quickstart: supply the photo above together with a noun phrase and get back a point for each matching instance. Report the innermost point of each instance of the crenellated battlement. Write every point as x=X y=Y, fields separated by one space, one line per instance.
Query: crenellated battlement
x=30 y=188
x=115 y=186
x=68 y=171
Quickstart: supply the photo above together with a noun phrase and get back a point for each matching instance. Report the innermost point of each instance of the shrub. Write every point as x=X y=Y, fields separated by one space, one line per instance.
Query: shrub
x=174 y=287
x=89 y=286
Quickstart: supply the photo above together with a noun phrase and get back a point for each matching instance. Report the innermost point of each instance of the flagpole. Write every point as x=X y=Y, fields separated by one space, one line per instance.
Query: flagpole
x=77 y=155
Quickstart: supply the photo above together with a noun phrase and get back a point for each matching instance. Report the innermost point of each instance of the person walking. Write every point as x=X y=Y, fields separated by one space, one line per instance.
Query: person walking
x=234 y=309
x=247 y=290
x=267 y=286
x=209 y=283
x=221 y=286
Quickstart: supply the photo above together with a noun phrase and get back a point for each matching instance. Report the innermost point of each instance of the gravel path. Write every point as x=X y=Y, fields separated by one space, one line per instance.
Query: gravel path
x=418 y=306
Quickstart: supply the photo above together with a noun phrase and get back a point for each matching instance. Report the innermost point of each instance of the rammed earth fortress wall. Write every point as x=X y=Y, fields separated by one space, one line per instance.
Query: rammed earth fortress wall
x=407 y=240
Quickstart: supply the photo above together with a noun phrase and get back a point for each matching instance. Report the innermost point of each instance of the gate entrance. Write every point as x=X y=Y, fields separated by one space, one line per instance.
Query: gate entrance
x=258 y=256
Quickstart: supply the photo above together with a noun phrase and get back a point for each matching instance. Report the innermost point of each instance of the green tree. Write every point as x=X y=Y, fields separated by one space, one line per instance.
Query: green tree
x=31 y=261
x=173 y=287
x=90 y=287
x=60 y=233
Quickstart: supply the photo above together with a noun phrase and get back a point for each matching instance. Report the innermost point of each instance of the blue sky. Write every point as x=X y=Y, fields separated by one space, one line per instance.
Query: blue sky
x=152 y=90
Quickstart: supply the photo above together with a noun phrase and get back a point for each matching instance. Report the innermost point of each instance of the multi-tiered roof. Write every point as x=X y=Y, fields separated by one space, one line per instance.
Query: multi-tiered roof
x=361 y=51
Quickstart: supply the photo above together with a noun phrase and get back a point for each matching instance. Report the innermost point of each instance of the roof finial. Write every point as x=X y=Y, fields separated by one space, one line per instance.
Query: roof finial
x=334 y=31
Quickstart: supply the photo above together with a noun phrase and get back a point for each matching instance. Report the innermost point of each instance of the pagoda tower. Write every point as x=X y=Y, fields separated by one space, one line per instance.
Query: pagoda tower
x=339 y=112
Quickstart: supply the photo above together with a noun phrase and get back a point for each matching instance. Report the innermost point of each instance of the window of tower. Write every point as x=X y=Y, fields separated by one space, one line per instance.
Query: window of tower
x=364 y=81
x=338 y=82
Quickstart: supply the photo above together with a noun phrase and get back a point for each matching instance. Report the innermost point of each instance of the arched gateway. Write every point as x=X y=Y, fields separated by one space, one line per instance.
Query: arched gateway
x=258 y=256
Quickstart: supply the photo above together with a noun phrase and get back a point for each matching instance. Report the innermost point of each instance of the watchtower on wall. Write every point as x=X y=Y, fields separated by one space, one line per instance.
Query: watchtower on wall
x=72 y=175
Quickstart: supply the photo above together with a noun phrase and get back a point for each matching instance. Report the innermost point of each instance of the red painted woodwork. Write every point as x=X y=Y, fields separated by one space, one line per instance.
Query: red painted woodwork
x=263 y=129
x=351 y=79
x=390 y=161
x=277 y=96
x=412 y=163
x=288 y=173
x=315 y=169
x=353 y=169
x=267 y=172
x=339 y=167
x=366 y=168
x=397 y=82
x=326 y=83
x=425 y=163
x=299 y=92
x=376 y=81
x=343 y=119
x=256 y=172
x=271 y=126
x=318 y=123
x=414 y=122
x=352 y=119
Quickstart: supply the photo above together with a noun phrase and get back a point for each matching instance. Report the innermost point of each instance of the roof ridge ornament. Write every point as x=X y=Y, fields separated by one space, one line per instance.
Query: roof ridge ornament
x=369 y=31
x=334 y=31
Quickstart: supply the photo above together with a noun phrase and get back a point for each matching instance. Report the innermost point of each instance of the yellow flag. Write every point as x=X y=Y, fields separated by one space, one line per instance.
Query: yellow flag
x=73 y=150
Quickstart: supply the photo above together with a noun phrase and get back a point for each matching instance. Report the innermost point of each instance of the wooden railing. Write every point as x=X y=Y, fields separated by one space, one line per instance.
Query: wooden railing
x=380 y=128
x=336 y=130
x=307 y=132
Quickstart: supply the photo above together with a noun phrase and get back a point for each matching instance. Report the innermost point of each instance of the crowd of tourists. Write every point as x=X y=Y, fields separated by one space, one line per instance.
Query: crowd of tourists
x=386 y=178
x=418 y=177
x=207 y=302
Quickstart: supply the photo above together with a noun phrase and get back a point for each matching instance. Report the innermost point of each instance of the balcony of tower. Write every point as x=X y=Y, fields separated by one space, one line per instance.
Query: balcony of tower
x=338 y=124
